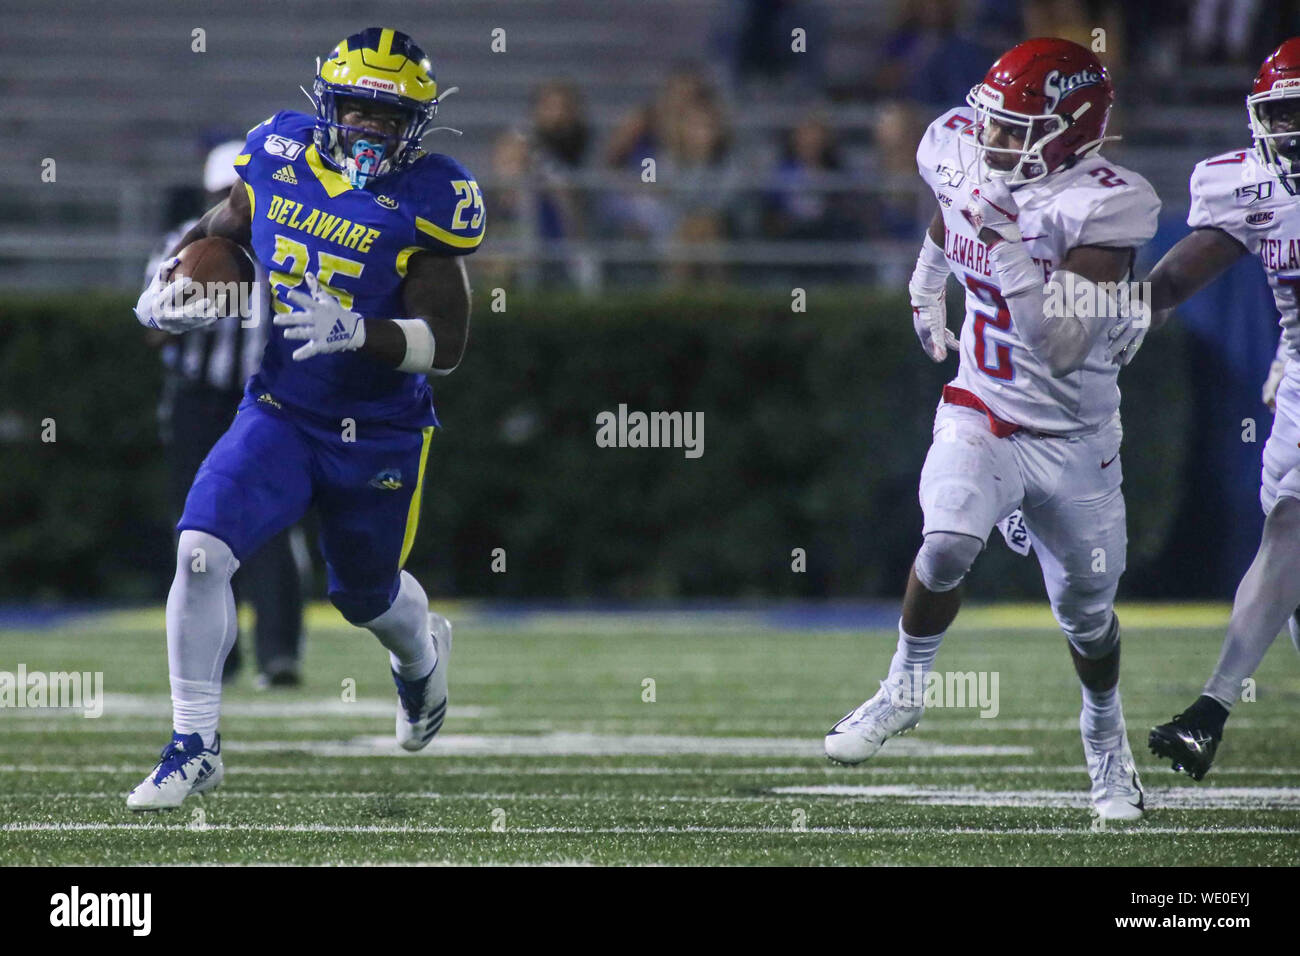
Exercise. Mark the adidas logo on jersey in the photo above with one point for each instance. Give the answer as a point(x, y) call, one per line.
point(285, 175)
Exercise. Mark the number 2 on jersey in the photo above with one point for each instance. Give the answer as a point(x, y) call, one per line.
point(1001, 367)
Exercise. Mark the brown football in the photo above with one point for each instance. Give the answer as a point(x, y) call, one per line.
point(218, 261)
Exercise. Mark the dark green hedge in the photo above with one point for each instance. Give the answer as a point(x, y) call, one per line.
point(816, 426)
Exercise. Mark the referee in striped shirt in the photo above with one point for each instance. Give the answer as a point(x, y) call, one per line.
point(204, 375)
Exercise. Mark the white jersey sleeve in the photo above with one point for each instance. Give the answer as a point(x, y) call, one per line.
point(1106, 206)
point(1214, 185)
point(937, 153)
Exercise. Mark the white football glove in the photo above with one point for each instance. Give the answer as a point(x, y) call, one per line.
point(1126, 337)
point(323, 323)
point(930, 319)
point(990, 205)
point(164, 304)
point(1276, 372)
point(926, 288)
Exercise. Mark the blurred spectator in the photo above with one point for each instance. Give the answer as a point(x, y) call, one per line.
point(1074, 20)
point(895, 205)
point(507, 196)
point(532, 197)
point(701, 181)
point(927, 57)
point(683, 130)
point(652, 128)
point(801, 203)
point(757, 39)
point(560, 124)
point(1222, 29)
point(558, 147)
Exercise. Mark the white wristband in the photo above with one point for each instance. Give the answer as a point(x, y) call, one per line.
point(419, 346)
point(931, 273)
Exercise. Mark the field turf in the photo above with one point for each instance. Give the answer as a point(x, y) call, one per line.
point(553, 752)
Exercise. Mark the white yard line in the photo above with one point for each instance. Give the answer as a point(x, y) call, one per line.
point(1084, 831)
point(1168, 798)
point(155, 705)
point(610, 745)
point(515, 770)
point(224, 794)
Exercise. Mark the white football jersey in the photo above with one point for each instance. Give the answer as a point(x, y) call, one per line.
point(1095, 203)
point(1237, 194)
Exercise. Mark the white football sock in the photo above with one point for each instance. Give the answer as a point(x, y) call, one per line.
point(404, 630)
point(912, 661)
point(1266, 597)
point(201, 628)
point(1102, 717)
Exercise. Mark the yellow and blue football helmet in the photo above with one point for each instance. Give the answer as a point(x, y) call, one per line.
point(384, 66)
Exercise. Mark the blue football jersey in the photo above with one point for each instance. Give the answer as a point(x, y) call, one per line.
point(306, 217)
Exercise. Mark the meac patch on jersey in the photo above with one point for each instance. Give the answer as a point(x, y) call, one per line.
point(1093, 203)
point(307, 217)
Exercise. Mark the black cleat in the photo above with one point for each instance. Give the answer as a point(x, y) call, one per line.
point(1191, 738)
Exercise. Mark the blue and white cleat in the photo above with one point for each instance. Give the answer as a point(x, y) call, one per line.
point(186, 767)
point(422, 704)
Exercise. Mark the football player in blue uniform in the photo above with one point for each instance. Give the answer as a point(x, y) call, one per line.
point(363, 235)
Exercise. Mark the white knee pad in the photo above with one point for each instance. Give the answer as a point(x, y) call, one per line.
point(202, 557)
point(945, 558)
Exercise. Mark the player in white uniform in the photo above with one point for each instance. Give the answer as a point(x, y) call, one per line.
point(1248, 203)
point(1031, 220)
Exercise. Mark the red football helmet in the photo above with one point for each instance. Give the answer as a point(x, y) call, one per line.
point(1052, 95)
point(1274, 109)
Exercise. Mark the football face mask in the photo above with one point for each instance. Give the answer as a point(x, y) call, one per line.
point(366, 135)
point(1009, 145)
point(374, 96)
point(1275, 126)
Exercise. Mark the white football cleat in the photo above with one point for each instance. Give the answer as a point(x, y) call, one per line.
point(1293, 625)
point(422, 704)
point(186, 767)
point(862, 732)
point(1116, 790)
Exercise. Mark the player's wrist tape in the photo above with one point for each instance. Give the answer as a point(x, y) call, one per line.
point(419, 346)
point(931, 273)
point(1016, 270)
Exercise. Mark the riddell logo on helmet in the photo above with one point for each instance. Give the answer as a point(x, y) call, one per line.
point(374, 83)
point(1290, 84)
point(1057, 87)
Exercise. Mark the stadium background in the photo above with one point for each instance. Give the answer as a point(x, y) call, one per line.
point(775, 171)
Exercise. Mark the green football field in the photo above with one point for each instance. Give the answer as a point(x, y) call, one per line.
point(555, 753)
